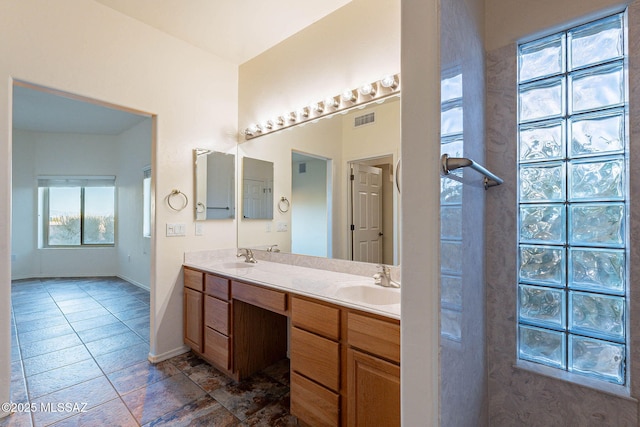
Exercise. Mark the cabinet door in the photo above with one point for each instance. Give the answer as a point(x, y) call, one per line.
point(373, 391)
point(193, 320)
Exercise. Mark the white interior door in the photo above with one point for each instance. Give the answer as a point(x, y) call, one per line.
point(254, 205)
point(366, 213)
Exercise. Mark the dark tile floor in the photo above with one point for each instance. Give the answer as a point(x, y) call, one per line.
point(79, 358)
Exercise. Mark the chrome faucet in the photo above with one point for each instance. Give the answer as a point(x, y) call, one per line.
point(247, 254)
point(273, 248)
point(383, 277)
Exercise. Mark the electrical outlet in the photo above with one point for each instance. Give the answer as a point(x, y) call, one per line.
point(199, 231)
point(282, 227)
point(268, 227)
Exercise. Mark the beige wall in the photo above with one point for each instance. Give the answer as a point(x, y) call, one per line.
point(88, 49)
point(507, 21)
point(359, 43)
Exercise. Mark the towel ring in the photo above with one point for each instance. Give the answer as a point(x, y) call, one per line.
point(283, 205)
point(175, 192)
point(398, 176)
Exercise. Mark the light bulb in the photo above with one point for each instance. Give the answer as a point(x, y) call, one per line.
point(367, 90)
point(330, 102)
point(251, 130)
point(303, 113)
point(348, 95)
point(389, 81)
point(316, 107)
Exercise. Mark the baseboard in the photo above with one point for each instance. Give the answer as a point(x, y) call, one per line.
point(157, 358)
point(133, 282)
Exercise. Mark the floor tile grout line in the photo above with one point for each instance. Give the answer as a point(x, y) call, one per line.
point(274, 377)
point(93, 357)
point(24, 372)
point(106, 376)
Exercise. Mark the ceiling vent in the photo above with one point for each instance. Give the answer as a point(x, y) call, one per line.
point(365, 119)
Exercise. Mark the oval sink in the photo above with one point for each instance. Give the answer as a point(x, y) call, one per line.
point(370, 294)
point(237, 265)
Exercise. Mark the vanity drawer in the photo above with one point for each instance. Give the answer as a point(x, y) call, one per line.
point(217, 286)
point(316, 358)
point(317, 318)
point(260, 297)
point(216, 348)
point(314, 404)
point(374, 336)
point(193, 279)
point(216, 314)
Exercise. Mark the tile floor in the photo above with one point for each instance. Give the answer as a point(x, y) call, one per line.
point(79, 349)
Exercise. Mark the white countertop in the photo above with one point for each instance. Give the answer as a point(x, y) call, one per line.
point(348, 290)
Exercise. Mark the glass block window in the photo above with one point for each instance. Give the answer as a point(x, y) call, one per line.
point(451, 242)
point(572, 181)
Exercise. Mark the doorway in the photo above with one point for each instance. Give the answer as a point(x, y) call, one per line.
point(311, 193)
point(371, 210)
point(63, 141)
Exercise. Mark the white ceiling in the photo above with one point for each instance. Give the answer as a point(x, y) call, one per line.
point(40, 111)
point(236, 30)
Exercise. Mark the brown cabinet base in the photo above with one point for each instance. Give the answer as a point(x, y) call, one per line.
point(314, 404)
point(216, 348)
point(373, 396)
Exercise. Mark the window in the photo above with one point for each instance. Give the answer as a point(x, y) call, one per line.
point(451, 242)
point(572, 163)
point(77, 211)
point(146, 202)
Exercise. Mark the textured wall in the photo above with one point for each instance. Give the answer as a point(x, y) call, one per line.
point(518, 396)
point(463, 363)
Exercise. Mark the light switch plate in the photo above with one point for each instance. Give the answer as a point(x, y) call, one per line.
point(175, 230)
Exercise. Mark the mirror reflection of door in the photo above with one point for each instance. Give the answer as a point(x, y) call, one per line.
point(366, 213)
point(257, 189)
point(311, 205)
point(255, 202)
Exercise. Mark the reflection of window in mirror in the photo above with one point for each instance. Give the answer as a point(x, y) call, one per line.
point(146, 202)
point(214, 184)
point(257, 189)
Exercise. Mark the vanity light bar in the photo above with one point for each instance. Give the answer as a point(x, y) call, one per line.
point(349, 98)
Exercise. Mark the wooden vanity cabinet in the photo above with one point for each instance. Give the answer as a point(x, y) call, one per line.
point(259, 327)
point(315, 362)
point(345, 363)
point(217, 315)
point(193, 309)
point(207, 317)
point(373, 371)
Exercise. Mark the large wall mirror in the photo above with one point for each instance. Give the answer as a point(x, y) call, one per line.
point(214, 185)
point(327, 213)
point(257, 189)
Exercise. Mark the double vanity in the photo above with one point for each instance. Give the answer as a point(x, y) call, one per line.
point(340, 331)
